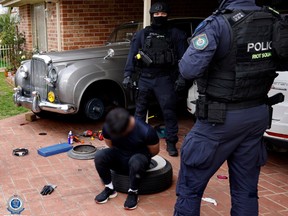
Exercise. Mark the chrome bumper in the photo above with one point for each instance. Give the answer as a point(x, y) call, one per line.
point(36, 105)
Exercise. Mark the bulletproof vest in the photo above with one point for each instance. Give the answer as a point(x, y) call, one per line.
point(247, 72)
point(159, 48)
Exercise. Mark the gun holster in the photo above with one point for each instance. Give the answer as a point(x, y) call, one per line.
point(214, 112)
point(201, 107)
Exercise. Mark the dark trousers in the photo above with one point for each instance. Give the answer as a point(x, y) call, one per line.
point(163, 89)
point(133, 165)
point(207, 146)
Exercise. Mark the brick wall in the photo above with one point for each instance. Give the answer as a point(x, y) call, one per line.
point(89, 24)
point(26, 25)
point(51, 23)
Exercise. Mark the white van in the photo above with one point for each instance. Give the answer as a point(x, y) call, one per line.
point(278, 133)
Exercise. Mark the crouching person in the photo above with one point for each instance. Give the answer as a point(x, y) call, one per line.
point(131, 144)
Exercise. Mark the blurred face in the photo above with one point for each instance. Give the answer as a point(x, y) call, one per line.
point(160, 14)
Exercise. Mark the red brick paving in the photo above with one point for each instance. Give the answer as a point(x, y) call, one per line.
point(78, 182)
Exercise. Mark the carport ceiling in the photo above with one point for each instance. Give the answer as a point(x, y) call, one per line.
point(17, 3)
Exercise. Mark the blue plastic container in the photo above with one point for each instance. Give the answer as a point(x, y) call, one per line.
point(54, 149)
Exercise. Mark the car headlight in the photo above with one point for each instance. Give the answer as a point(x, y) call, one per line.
point(24, 71)
point(52, 77)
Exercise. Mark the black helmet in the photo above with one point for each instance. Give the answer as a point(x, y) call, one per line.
point(159, 7)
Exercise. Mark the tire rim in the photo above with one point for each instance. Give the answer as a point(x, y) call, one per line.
point(84, 149)
point(83, 152)
point(94, 109)
point(159, 163)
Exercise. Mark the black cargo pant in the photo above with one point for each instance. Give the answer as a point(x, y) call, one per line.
point(207, 146)
point(163, 89)
point(114, 159)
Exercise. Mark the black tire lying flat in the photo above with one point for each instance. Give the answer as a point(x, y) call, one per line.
point(157, 179)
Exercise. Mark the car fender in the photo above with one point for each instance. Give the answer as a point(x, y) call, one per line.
point(77, 77)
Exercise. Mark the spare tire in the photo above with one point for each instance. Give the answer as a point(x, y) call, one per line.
point(158, 178)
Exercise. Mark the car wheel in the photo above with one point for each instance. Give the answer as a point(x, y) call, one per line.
point(94, 109)
point(158, 178)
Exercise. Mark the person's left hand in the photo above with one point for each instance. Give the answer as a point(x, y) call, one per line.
point(180, 83)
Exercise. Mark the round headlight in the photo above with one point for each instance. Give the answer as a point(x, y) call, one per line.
point(53, 75)
point(23, 71)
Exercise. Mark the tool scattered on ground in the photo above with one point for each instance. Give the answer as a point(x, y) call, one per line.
point(93, 135)
point(222, 177)
point(210, 200)
point(48, 189)
point(20, 152)
point(77, 139)
point(98, 135)
point(54, 149)
point(87, 133)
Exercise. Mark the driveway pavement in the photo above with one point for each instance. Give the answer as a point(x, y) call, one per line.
point(78, 182)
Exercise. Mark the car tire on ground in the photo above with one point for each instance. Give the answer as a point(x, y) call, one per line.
point(158, 178)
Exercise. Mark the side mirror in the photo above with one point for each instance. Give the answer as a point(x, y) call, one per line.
point(110, 54)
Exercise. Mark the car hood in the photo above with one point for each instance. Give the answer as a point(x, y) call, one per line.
point(88, 53)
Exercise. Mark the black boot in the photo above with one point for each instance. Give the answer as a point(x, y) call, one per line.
point(171, 149)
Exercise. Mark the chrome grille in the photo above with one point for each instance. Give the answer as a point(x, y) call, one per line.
point(39, 72)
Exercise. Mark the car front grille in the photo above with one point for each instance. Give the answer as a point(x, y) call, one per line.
point(39, 72)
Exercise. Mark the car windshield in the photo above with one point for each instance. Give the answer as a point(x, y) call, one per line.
point(124, 33)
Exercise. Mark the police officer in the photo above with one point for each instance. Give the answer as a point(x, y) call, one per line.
point(156, 51)
point(231, 58)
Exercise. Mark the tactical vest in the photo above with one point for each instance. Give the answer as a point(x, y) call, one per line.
point(247, 72)
point(159, 48)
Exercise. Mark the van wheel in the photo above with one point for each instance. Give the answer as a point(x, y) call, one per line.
point(94, 109)
point(158, 178)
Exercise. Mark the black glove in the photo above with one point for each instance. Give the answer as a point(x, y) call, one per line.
point(47, 189)
point(127, 82)
point(180, 84)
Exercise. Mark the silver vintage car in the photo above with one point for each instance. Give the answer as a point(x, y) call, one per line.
point(84, 81)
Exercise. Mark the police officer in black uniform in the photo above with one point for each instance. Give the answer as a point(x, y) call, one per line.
point(231, 58)
point(156, 51)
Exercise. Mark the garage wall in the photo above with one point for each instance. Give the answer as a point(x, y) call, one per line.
point(89, 23)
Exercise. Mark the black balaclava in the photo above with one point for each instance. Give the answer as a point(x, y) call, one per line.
point(159, 22)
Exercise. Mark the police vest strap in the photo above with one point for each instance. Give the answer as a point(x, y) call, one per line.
point(235, 17)
point(245, 104)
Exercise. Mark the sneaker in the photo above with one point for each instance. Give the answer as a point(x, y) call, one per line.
point(172, 150)
point(106, 194)
point(131, 201)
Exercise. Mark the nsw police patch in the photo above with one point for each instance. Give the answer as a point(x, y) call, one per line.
point(200, 42)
